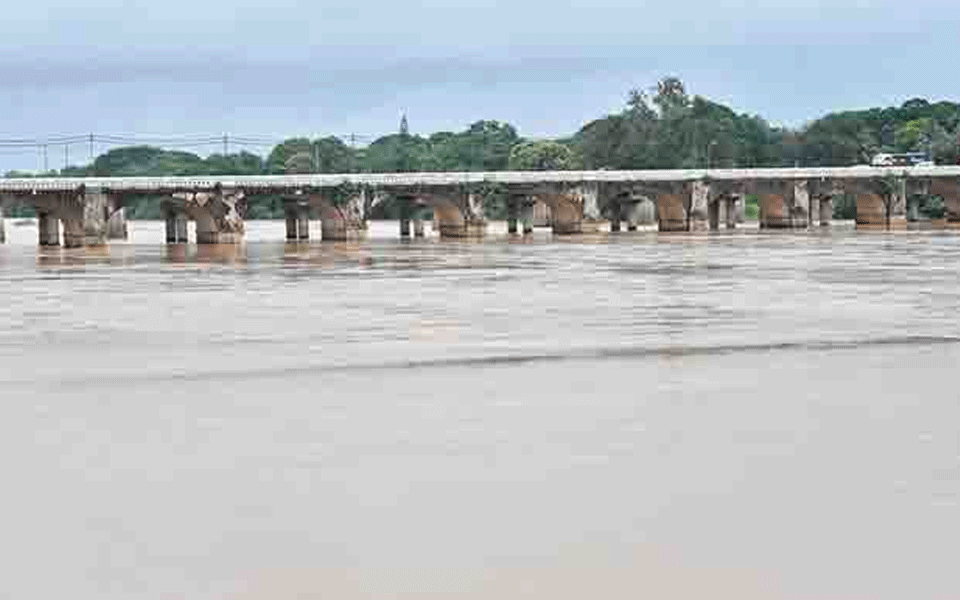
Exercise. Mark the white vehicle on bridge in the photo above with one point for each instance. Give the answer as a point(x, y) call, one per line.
point(904, 159)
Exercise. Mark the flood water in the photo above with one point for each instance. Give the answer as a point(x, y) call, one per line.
point(733, 415)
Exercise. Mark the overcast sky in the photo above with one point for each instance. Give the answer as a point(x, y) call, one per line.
point(286, 67)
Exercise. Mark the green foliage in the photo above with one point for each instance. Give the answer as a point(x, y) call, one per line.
point(751, 208)
point(678, 131)
point(541, 155)
point(669, 128)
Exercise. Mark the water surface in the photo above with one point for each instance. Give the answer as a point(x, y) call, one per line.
point(740, 414)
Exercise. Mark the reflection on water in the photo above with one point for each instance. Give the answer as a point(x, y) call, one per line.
point(739, 414)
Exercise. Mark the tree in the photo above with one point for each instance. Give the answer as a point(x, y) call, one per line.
point(541, 155)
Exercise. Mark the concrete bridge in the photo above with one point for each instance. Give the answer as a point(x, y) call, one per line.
point(89, 211)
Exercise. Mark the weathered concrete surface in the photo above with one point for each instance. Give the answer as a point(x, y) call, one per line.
point(732, 210)
point(642, 211)
point(800, 210)
point(541, 215)
point(826, 210)
point(775, 201)
point(3, 232)
point(593, 197)
point(671, 215)
point(48, 226)
point(698, 215)
point(881, 204)
point(117, 225)
point(296, 211)
point(949, 191)
point(96, 210)
point(413, 181)
point(871, 212)
point(526, 218)
point(175, 216)
point(218, 215)
point(345, 221)
point(567, 211)
point(458, 213)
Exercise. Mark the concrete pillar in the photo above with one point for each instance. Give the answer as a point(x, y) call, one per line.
point(3, 233)
point(405, 210)
point(642, 212)
point(541, 215)
point(775, 211)
point(897, 214)
point(513, 210)
point(218, 215)
point(949, 190)
point(913, 208)
point(207, 230)
point(800, 211)
point(49, 229)
point(826, 210)
point(418, 230)
point(293, 232)
point(117, 225)
point(95, 212)
point(74, 232)
point(615, 215)
point(713, 212)
point(730, 212)
point(671, 215)
point(871, 212)
point(176, 227)
point(298, 223)
point(526, 217)
point(699, 213)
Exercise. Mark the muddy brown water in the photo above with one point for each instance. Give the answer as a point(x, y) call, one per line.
point(735, 415)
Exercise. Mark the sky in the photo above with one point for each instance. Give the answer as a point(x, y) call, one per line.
point(289, 67)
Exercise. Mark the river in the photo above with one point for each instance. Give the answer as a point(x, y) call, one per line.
point(734, 415)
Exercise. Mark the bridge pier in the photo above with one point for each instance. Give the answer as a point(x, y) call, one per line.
point(775, 202)
point(730, 211)
point(176, 224)
point(88, 226)
point(513, 211)
point(48, 226)
point(526, 217)
point(639, 212)
point(117, 225)
point(615, 211)
point(297, 216)
point(418, 228)
point(698, 217)
point(405, 210)
point(3, 232)
point(217, 214)
point(949, 190)
point(826, 210)
point(343, 221)
point(897, 210)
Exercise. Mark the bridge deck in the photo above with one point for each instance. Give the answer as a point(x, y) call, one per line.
point(277, 183)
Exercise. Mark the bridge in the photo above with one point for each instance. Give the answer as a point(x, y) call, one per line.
point(90, 210)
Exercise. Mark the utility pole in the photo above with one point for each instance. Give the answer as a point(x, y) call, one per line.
point(66, 155)
point(91, 148)
point(226, 145)
point(45, 169)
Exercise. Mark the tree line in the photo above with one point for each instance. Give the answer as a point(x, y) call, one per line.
point(662, 128)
